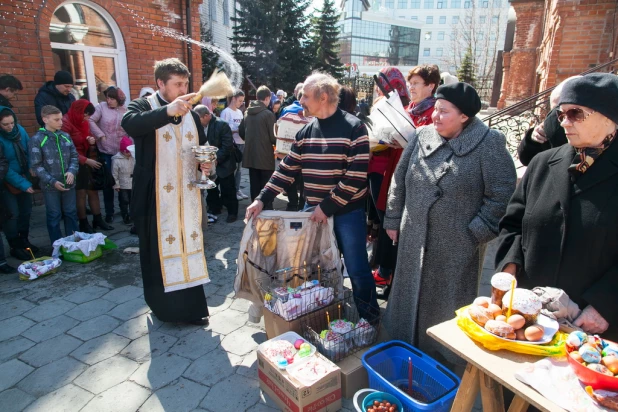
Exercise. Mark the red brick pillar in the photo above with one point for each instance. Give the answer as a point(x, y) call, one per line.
point(520, 64)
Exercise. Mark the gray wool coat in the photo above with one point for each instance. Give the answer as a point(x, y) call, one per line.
point(446, 198)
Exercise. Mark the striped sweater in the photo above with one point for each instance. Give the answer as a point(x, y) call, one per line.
point(333, 155)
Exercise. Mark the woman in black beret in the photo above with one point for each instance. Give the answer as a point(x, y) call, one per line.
point(447, 195)
point(561, 226)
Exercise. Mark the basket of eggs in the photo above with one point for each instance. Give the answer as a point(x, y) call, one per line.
point(593, 360)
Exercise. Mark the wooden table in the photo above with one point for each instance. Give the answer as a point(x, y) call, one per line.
point(489, 371)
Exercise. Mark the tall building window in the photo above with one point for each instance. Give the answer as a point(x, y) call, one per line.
point(440, 35)
point(212, 7)
point(442, 19)
point(440, 4)
point(226, 13)
point(414, 18)
point(482, 19)
point(497, 3)
point(467, 4)
point(480, 35)
point(492, 36)
point(455, 19)
point(426, 52)
point(427, 35)
point(416, 4)
point(495, 19)
point(389, 4)
point(439, 51)
point(429, 20)
point(468, 19)
point(429, 4)
point(455, 4)
point(403, 4)
point(485, 4)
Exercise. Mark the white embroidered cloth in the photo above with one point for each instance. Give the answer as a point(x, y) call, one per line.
point(36, 269)
point(555, 380)
point(85, 242)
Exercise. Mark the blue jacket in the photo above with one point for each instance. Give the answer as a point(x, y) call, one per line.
point(49, 95)
point(293, 108)
point(15, 174)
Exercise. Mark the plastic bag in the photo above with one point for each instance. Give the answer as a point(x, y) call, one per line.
point(489, 341)
point(389, 123)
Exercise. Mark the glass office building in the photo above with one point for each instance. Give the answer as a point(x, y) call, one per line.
point(369, 42)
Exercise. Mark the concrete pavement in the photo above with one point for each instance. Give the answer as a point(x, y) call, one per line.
point(83, 339)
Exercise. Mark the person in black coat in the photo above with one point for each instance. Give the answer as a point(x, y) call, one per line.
point(219, 134)
point(546, 135)
point(56, 93)
point(561, 225)
point(141, 122)
point(9, 87)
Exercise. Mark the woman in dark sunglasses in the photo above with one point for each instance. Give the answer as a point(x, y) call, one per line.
point(561, 225)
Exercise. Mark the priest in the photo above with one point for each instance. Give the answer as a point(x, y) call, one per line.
point(165, 206)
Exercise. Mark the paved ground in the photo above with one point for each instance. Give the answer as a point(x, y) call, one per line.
point(84, 339)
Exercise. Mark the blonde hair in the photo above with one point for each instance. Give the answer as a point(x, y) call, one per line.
point(319, 83)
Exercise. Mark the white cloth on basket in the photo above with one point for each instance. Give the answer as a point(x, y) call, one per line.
point(87, 243)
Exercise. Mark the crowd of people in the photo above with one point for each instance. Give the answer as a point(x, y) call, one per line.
point(440, 199)
point(79, 150)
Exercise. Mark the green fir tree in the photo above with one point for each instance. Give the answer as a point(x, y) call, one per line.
point(325, 40)
point(209, 58)
point(466, 72)
point(294, 51)
point(270, 41)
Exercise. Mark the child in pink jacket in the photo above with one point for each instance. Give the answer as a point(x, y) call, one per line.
point(122, 170)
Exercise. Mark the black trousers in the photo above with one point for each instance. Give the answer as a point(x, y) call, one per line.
point(296, 201)
point(124, 199)
point(224, 194)
point(257, 180)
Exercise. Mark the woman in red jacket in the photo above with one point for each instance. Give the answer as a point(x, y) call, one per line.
point(75, 123)
point(422, 82)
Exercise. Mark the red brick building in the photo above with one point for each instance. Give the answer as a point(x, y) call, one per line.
point(99, 42)
point(556, 39)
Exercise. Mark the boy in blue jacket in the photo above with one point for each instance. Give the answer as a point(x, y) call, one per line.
point(54, 160)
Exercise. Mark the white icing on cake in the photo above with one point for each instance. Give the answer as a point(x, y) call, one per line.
point(524, 301)
point(502, 281)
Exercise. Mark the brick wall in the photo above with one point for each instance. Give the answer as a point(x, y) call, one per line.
point(26, 50)
point(556, 39)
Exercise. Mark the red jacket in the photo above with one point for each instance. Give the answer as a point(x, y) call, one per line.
point(77, 128)
point(80, 141)
point(423, 119)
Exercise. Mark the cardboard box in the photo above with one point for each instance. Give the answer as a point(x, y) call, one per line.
point(275, 325)
point(292, 396)
point(353, 376)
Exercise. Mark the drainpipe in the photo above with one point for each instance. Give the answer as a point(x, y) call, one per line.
point(189, 49)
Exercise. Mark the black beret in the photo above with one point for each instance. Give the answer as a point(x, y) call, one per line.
point(596, 91)
point(461, 95)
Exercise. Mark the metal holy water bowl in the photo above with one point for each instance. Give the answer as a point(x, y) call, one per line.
point(204, 154)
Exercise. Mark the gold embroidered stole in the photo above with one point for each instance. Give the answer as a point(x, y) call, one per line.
point(179, 205)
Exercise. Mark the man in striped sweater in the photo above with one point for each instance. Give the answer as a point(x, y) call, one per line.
point(331, 154)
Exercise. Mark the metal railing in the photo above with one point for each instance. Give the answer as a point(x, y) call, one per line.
point(517, 118)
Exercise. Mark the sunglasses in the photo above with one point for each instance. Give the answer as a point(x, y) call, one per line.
point(574, 115)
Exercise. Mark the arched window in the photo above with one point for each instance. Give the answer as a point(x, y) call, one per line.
point(86, 42)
